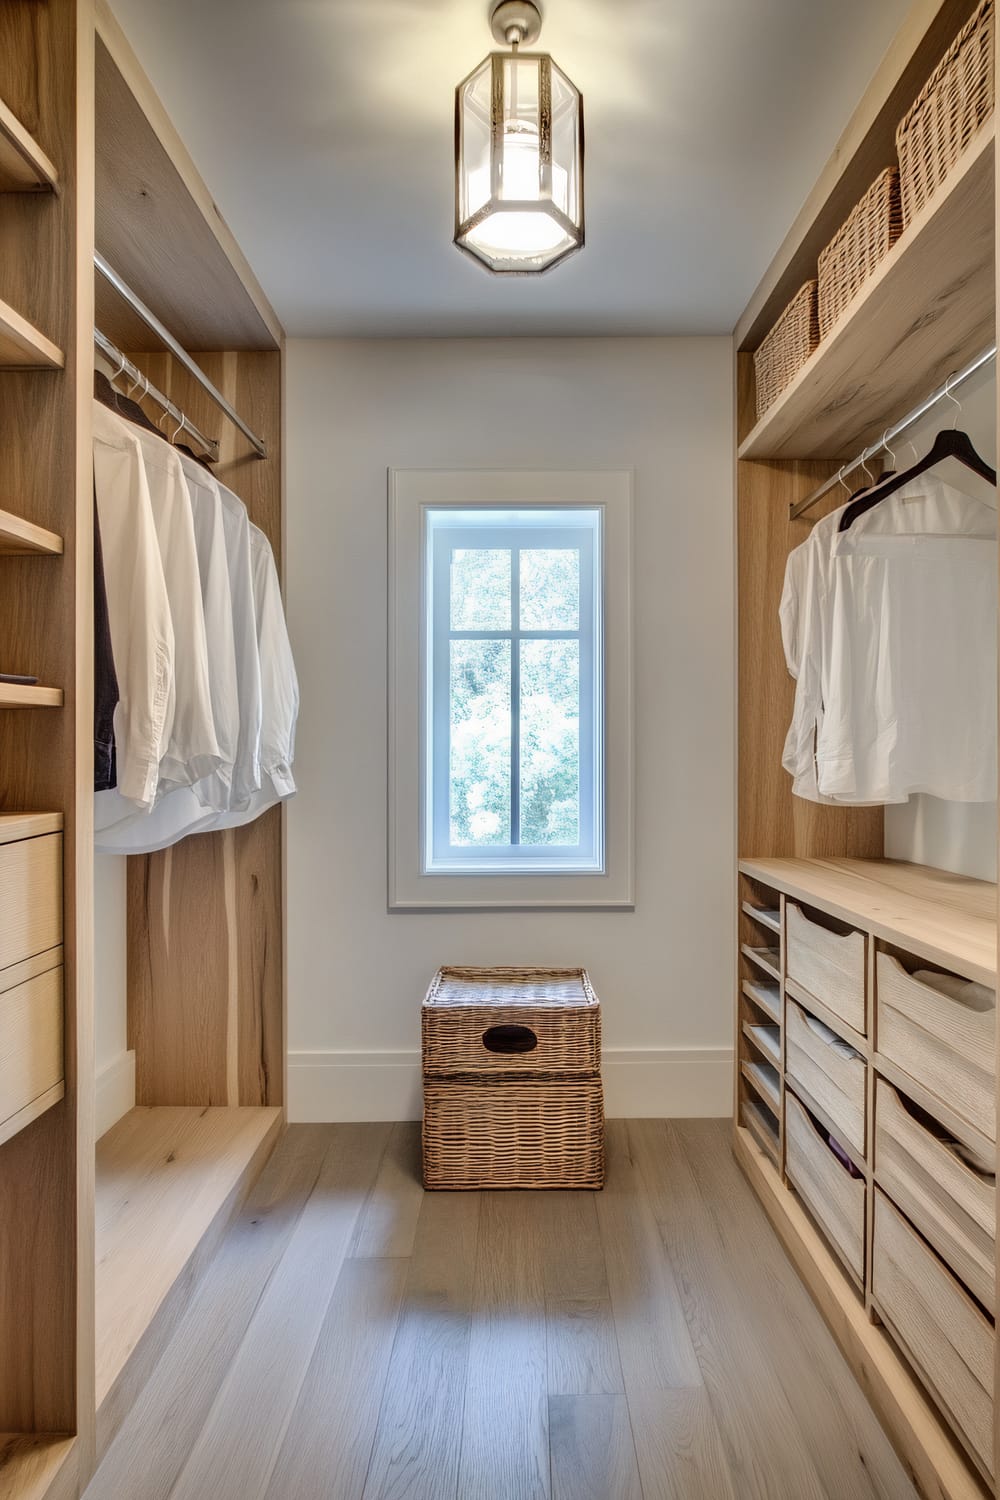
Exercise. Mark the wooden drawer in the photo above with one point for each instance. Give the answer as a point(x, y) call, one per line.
point(948, 1201)
point(942, 1331)
point(836, 1083)
point(31, 1037)
point(30, 898)
point(829, 962)
point(947, 1046)
point(835, 1199)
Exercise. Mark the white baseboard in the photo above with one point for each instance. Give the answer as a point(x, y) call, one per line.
point(664, 1082)
point(115, 1091)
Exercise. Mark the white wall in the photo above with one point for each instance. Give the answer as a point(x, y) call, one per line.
point(950, 835)
point(665, 971)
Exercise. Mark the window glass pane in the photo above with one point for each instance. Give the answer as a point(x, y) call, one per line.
point(550, 588)
point(479, 722)
point(480, 589)
point(550, 742)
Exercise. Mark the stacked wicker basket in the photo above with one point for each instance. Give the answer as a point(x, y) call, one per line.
point(954, 103)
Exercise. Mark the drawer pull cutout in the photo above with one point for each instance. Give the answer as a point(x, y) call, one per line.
point(510, 1039)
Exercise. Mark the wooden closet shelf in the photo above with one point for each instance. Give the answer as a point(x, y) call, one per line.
point(949, 919)
point(30, 1462)
point(19, 537)
point(927, 309)
point(12, 695)
point(23, 347)
point(24, 166)
point(167, 1177)
point(28, 825)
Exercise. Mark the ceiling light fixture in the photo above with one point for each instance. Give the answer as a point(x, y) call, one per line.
point(518, 153)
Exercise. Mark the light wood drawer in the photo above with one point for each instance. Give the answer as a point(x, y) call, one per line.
point(948, 1047)
point(949, 1202)
point(835, 1199)
point(942, 1331)
point(31, 1040)
point(30, 898)
point(836, 1083)
point(830, 964)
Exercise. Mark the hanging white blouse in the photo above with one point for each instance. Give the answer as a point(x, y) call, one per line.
point(142, 634)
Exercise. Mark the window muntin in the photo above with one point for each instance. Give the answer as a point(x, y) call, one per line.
point(513, 747)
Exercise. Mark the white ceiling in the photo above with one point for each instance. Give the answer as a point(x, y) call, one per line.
point(324, 130)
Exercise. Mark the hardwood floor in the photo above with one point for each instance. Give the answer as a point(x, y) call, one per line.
point(356, 1339)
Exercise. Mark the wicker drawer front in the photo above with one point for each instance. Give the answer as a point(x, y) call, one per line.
point(948, 1047)
point(513, 1133)
point(951, 1204)
point(829, 964)
point(511, 1022)
point(30, 898)
point(835, 1199)
point(941, 1329)
point(835, 1082)
point(31, 1041)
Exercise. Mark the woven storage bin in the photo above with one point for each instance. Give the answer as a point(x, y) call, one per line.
point(787, 347)
point(954, 102)
point(858, 247)
point(512, 1081)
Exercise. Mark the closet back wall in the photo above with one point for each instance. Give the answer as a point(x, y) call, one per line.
point(357, 974)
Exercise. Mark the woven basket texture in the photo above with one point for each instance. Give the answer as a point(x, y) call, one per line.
point(786, 348)
point(558, 1005)
point(859, 247)
point(951, 107)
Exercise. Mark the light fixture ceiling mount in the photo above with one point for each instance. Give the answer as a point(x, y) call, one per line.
point(518, 153)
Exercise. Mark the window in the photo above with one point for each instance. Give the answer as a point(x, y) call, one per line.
point(510, 689)
point(514, 684)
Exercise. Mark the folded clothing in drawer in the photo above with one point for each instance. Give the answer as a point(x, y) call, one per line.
point(935, 1182)
point(834, 1197)
point(942, 1331)
point(829, 1070)
point(941, 1030)
point(829, 962)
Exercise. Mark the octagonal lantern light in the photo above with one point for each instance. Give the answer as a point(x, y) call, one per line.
point(518, 153)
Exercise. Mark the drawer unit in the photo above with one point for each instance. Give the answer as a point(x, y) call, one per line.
point(942, 1331)
point(30, 898)
point(31, 1036)
point(836, 1082)
point(946, 1045)
point(835, 1199)
point(829, 963)
point(950, 1202)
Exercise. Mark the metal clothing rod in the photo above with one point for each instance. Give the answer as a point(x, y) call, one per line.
point(801, 506)
point(152, 322)
point(126, 367)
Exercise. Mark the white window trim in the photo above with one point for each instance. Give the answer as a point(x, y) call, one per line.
point(411, 492)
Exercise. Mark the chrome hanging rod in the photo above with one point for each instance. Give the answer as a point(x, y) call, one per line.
point(801, 506)
point(177, 350)
point(126, 367)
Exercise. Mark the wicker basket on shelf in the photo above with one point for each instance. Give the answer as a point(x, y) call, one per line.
point(512, 1080)
point(786, 348)
point(858, 247)
point(952, 105)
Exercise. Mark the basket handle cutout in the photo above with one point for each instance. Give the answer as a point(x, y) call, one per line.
point(510, 1039)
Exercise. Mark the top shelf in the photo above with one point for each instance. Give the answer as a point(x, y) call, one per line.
point(927, 310)
point(24, 166)
point(947, 919)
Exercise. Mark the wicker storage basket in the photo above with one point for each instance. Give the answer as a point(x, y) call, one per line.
point(512, 1080)
point(787, 347)
point(954, 102)
point(858, 247)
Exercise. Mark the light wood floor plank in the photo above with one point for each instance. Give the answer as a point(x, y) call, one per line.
point(237, 1448)
point(582, 1347)
point(653, 1339)
point(159, 1432)
point(569, 1237)
point(680, 1452)
point(593, 1456)
point(389, 1222)
point(505, 1440)
point(418, 1436)
point(328, 1443)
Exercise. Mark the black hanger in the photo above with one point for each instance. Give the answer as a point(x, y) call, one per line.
point(949, 443)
